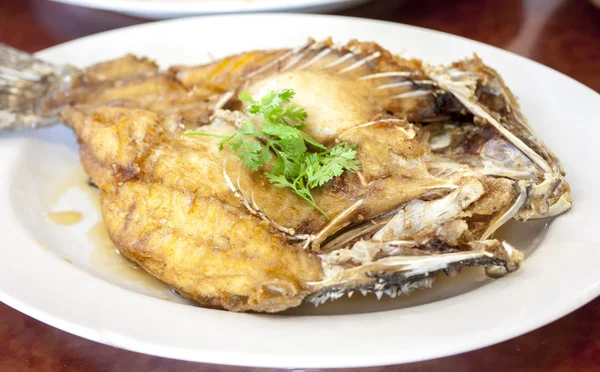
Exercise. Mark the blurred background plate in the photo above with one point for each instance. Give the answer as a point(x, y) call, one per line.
point(163, 9)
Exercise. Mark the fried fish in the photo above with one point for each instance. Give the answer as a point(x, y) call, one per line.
point(446, 158)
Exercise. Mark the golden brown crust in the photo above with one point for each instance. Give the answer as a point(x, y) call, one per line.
point(224, 74)
point(135, 83)
point(119, 69)
point(205, 246)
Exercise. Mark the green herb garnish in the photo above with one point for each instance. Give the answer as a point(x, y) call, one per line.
point(301, 163)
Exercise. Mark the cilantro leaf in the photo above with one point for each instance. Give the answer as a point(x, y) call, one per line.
point(280, 130)
point(249, 152)
point(292, 146)
point(308, 139)
point(294, 114)
point(286, 95)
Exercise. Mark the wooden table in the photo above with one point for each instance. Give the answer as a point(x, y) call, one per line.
point(562, 34)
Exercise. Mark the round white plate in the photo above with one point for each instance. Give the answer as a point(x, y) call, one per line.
point(162, 9)
point(93, 297)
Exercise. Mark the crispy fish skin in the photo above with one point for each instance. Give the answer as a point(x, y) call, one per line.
point(220, 76)
point(137, 83)
point(208, 248)
point(209, 252)
point(121, 68)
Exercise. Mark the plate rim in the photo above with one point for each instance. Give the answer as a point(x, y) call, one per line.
point(57, 322)
point(208, 6)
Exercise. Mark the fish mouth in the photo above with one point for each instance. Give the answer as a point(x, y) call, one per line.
point(405, 250)
point(410, 267)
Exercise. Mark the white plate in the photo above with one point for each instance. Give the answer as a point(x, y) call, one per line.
point(162, 9)
point(87, 299)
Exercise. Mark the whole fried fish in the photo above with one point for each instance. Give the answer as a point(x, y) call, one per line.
point(446, 159)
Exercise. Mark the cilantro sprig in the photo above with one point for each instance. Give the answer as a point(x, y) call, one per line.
point(298, 161)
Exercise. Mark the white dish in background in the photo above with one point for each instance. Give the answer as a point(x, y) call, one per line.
point(163, 9)
point(94, 297)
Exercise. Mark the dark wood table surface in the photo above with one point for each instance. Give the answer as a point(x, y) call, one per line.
point(562, 34)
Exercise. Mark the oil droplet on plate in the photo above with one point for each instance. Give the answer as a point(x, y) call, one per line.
point(78, 180)
point(105, 259)
point(65, 218)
